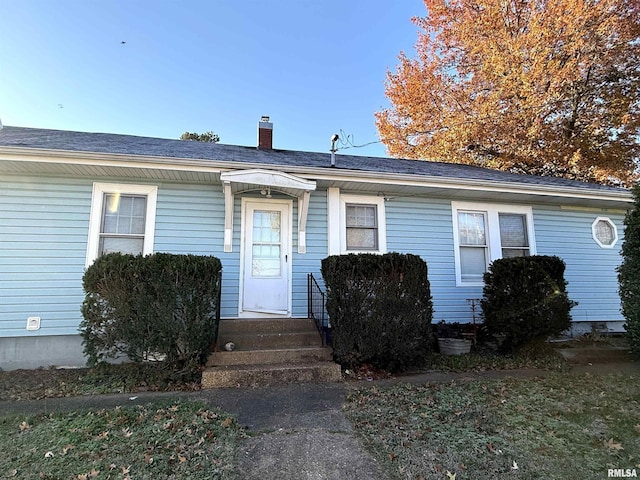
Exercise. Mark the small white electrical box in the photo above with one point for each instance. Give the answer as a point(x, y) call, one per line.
point(33, 323)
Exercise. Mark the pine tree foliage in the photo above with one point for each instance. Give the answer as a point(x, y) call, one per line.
point(629, 274)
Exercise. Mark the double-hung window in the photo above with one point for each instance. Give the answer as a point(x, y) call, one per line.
point(356, 223)
point(122, 226)
point(473, 245)
point(122, 219)
point(361, 227)
point(484, 233)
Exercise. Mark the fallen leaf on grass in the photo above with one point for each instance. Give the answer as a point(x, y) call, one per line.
point(126, 470)
point(227, 422)
point(182, 458)
point(613, 445)
point(637, 427)
point(24, 426)
point(451, 476)
point(94, 473)
point(493, 449)
point(514, 466)
point(13, 473)
point(148, 459)
point(49, 454)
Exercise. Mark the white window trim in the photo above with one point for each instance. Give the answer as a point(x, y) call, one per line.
point(615, 232)
point(493, 231)
point(95, 217)
point(382, 230)
point(337, 225)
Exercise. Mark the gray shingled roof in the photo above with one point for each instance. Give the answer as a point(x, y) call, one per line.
point(161, 147)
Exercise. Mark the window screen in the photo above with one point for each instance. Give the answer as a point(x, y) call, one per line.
point(472, 239)
point(123, 223)
point(362, 227)
point(604, 232)
point(513, 235)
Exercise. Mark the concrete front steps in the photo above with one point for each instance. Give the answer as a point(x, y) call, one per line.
point(269, 352)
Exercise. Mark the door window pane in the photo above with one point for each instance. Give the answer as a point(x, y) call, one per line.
point(266, 245)
point(362, 227)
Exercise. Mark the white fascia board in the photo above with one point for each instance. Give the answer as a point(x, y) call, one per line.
point(107, 160)
point(315, 173)
point(475, 185)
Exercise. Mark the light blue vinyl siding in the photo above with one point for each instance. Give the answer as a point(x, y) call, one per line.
point(423, 226)
point(190, 220)
point(43, 243)
point(591, 269)
point(317, 249)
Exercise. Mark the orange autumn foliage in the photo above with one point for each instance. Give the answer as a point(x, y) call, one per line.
point(529, 86)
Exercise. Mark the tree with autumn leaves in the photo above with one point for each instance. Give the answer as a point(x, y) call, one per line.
point(543, 87)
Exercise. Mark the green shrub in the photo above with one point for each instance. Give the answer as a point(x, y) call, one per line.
point(160, 305)
point(525, 300)
point(629, 274)
point(380, 309)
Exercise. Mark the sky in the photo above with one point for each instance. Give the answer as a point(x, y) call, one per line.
point(160, 68)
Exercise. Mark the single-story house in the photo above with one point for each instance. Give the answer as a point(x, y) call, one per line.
point(271, 216)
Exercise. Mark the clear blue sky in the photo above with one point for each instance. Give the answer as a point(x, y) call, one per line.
point(313, 66)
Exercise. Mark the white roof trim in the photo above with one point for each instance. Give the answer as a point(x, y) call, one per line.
point(245, 180)
point(359, 176)
point(268, 178)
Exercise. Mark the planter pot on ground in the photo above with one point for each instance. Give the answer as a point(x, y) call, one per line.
point(454, 346)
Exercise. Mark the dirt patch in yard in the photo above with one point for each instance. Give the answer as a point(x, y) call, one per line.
point(594, 348)
point(67, 382)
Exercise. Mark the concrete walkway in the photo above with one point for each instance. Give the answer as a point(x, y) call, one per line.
point(298, 431)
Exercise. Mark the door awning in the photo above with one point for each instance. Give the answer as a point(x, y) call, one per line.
point(240, 181)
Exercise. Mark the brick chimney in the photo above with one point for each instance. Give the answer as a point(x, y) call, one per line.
point(265, 133)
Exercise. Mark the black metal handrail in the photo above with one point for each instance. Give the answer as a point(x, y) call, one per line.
point(218, 303)
point(316, 308)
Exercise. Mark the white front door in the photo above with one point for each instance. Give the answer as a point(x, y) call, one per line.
point(267, 257)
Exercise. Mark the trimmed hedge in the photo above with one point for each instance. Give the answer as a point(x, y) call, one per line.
point(161, 305)
point(380, 309)
point(629, 274)
point(525, 300)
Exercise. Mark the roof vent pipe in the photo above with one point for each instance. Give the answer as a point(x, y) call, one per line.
point(334, 139)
